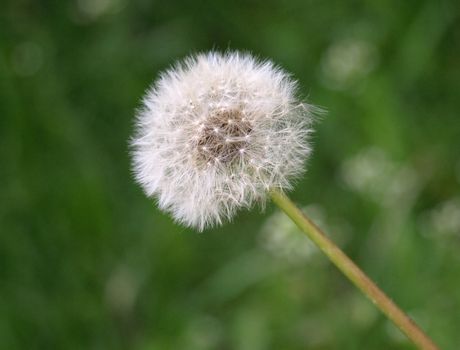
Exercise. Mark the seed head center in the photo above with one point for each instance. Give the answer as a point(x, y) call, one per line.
point(223, 138)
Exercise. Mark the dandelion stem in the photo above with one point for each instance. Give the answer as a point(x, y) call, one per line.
point(354, 273)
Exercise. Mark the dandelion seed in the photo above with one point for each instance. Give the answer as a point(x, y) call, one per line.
point(200, 164)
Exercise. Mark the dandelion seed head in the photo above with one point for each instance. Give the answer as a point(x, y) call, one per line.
point(217, 131)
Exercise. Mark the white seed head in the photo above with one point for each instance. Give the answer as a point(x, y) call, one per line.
point(215, 132)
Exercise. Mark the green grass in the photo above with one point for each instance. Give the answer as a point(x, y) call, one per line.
point(87, 262)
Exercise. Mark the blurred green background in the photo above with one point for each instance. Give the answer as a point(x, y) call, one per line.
point(88, 262)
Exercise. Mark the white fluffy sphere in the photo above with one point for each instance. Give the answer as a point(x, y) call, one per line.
point(215, 133)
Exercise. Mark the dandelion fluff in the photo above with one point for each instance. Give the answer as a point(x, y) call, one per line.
point(215, 133)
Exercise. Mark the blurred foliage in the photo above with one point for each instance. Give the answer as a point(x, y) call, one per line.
point(87, 262)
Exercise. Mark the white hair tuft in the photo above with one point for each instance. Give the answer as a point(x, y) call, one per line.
point(215, 133)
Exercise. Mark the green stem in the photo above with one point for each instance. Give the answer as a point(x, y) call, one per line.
point(354, 273)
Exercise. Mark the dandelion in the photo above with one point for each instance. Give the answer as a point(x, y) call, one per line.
point(221, 132)
point(215, 133)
